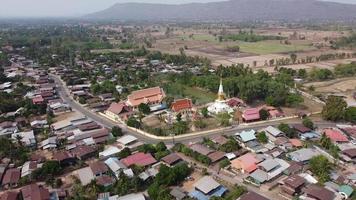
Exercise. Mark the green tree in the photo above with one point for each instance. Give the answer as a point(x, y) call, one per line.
point(180, 128)
point(133, 122)
point(321, 167)
point(144, 108)
point(334, 109)
point(117, 131)
point(262, 137)
point(264, 114)
point(285, 128)
point(124, 153)
point(49, 169)
point(307, 122)
point(224, 119)
point(224, 163)
point(293, 57)
point(350, 114)
point(205, 112)
point(82, 100)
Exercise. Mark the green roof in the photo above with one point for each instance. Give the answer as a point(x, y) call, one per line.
point(346, 189)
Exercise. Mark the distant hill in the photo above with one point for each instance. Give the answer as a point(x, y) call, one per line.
point(233, 10)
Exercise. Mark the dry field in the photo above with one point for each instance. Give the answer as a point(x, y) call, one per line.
point(345, 87)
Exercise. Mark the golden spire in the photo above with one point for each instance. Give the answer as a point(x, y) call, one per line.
point(221, 94)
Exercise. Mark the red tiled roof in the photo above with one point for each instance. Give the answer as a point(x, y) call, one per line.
point(140, 159)
point(98, 167)
point(118, 108)
point(320, 193)
point(252, 196)
point(201, 149)
point(251, 114)
point(11, 176)
point(216, 156)
point(82, 150)
point(155, 94)
point(38, 99)
point(294, 181)
point(296, 142)
point(105, 180)
point(233, 102)
point(171, 158)
point(182, 104)
point(9, 196)
point(350, 152)
point(34, 192)
point(335, 136)
point(62, 155)
point(301, 128)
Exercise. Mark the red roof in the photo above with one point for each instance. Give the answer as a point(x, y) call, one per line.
point(153, 95)
point(12, 176)
point(118, 108)
point(182, 104)
point(98, 167)
point(140, 159)
point(9, 196)
point(251, 114)
point(335, 135)
point(34, 192)
point(37, 99)
point(233, 102)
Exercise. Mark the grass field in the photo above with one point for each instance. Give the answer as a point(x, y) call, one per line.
point(200, 37)
point(268, 47)
point(199, 95)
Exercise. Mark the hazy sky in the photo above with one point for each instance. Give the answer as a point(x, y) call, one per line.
point(69, 8)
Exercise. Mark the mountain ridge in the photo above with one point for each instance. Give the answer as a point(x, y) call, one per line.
point(232, 10)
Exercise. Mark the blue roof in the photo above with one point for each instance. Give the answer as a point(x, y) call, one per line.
point(310, 135)
point(198, 195)
point(247, 135)
point(220, 191)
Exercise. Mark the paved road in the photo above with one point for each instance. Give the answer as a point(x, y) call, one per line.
point(64, 93)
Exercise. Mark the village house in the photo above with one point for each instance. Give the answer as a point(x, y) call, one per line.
point(8, 128)
point(349, 155)
point(151, 96)
point(207, 187)
point(115, 165)
point(292, 186)
point(106, 97)
point(246, 163)
point(83, 152)
point(335, 135)
point(273, 133)
point(129, 141)
point(34, 191)
point(140, 159)
point(252, 196)
point(11, 178)
point(99, 168)
point(251, 115)
point(172, 159)
point(28, 167)
point(27, 138)
point(268, 170)
point(49, 143)
point(117, 111)
point(303, 155)
point(319, 193)
point(64, 158)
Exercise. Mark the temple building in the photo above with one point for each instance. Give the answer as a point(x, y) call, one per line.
point(220, 105)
